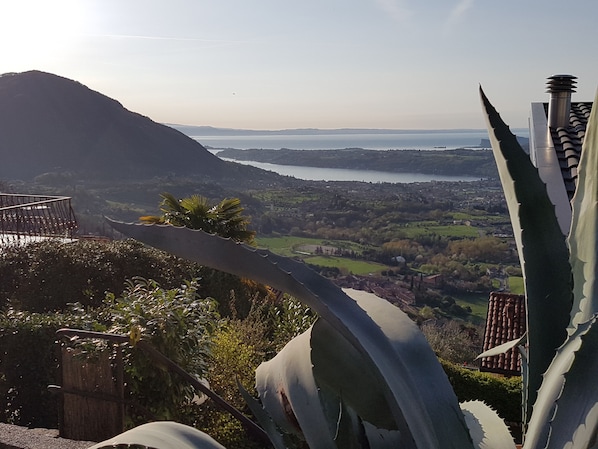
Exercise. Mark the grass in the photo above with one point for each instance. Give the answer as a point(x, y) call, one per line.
point(478, 304)
point(359, 267)
point(285, 246)
point(290, 246)
point(418, 229)
point(516, 285)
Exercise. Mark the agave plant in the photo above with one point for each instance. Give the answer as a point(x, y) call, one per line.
point(560, 352)
point(364, 376)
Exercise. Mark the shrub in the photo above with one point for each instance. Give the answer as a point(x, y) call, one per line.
point(46, 276)
point(502, 394)
point(177, 323)
point(29, 360)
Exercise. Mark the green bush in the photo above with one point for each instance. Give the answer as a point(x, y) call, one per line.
point(29, 360)
point(176, 322)
point(49, 275)
point(502, 394)
point(46, 276)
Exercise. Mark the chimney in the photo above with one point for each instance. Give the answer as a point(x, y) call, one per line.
point(560, 88)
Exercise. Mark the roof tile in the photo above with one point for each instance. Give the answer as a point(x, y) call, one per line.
point(505, 322)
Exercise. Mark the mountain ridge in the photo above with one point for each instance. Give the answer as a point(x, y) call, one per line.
point(49, 123)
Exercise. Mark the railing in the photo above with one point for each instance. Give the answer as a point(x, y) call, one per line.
point(27, 217)
point(70, 387)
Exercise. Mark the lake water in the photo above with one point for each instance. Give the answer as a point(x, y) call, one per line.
point(375, 141)
point(397, 140)
point(341, 174)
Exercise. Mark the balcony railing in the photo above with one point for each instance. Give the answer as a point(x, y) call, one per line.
point(26, 218)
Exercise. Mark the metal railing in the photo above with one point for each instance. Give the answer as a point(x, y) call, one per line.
point(27, 217)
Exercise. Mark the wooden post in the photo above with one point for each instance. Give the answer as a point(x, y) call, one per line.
point(92, 404)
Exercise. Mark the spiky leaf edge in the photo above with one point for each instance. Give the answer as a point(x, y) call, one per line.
point(543, 253)
point(403, 390)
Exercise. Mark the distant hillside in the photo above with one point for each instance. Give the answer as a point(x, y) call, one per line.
point(53, 124)
point(459, 162)
point(194, 130)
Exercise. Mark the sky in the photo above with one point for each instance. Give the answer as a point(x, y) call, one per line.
point(279, 64)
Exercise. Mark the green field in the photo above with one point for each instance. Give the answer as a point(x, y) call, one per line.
point(299, 247)
point(516, 285)
point(359, 267)
point(418, 229)
point(478, 305)
point(291, 246)
point(285, 246)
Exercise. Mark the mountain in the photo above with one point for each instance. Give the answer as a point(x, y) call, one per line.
point(52, 124)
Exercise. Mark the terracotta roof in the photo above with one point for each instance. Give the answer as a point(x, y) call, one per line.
point(568, 142)
point(505, 322)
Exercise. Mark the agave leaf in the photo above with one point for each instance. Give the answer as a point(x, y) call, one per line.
point(343, 381)
point(487, 429)
point(543, 253)
point(382, 438)
point(161, 435)
point(339, 367)
point(583, 238)
point(566, 414)
point(569, 406)
point(288, 391)
point(263, 417)
point(505, 347)
point(405, 399)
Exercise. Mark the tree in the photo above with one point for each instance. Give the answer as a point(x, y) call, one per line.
point(225, 219)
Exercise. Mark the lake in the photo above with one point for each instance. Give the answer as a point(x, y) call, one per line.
point(341, 174)
point(375, 141)
point(393, 139)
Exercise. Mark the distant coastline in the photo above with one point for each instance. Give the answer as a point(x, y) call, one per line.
point(464, 152)
point(460, 162)
point(213, 131)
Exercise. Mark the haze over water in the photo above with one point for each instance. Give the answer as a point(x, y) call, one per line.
point(376, 141)
point(396, 140)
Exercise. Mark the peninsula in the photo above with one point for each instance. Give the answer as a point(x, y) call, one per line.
point(465, 162)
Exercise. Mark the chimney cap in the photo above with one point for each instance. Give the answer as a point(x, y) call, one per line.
point(561, 83)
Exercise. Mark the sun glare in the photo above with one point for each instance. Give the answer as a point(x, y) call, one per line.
point(38, 29)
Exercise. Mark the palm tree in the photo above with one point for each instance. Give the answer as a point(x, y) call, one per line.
point(225, 219)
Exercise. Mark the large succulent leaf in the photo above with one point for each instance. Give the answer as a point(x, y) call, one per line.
point(543, 253)
point(583, 239)
point(566, 412)
point(288, 392)
point(161, 435)
point(487, 429)
point(265, 420)
point(343, 382)
point(505, 347)
point(412, 409)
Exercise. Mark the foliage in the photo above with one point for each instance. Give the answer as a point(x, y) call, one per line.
point(453, 341)
point(29, 363)
point(239, 345)
point(47, 276)
point(233, 360)
point(177, 323)
point(196, 212)
point(502, 394)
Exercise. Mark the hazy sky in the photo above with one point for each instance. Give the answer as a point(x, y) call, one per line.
point(274, 64)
